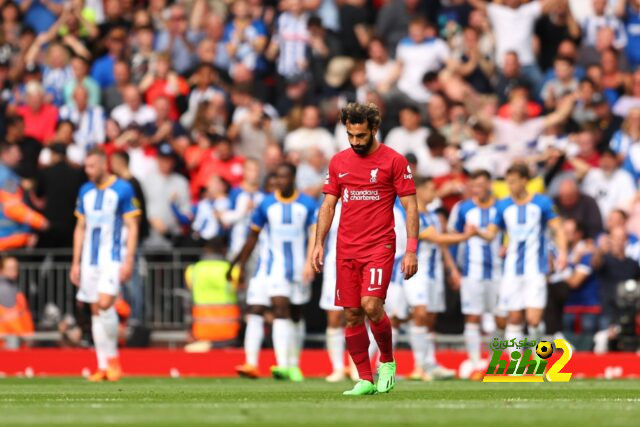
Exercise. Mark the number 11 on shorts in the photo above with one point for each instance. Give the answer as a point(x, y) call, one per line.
point(373, 276)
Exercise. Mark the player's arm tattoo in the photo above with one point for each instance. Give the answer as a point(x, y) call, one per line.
point(410, 206)
point(325, 218)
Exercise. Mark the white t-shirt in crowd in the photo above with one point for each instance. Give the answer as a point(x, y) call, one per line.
point(304, 138)
point(487, 157)
point(513, 29)
point(124, 115)
point(519, 139)
point(417, 59)
point(404, 141)
point(378, 73)
point(609, 190)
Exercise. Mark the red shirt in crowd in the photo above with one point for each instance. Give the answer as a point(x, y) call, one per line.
point(230, 170)
point(40, 125)
point(160, 88)
point(368, 187)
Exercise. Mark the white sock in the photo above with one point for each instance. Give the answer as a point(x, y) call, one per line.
point(373, 345)
point(395, 334)
point(472, 342)
point(281, 335)
point(535, 332)
point(418, 342)
point(335, 348)
point(109, 320)
point(99, 340)
point(430, 359)
point(513, 332)
point(296, 342)
point(253, 336)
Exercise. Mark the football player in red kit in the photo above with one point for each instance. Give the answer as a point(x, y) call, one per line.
point(367, 177)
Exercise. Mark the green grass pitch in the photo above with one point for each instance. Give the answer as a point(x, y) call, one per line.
point(191, 402)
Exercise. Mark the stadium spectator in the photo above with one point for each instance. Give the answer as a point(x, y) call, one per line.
point(29, 146)
point(179, 38)
point(310, 134)
point(629, 12)
point(625, 143)
point(312, 171)
point(603, 19)
point(382, 72)
point(18, 222)
point(552, 30)
point(57, 190)
point(393, 20)
point(583, 209)
point(563, 84)
point(88, 121)
point(608, 184)
point(290, 40)
point(162, 189)
point(16, 323)
point(411, 137)
point(39, 116)
point(612, 267)
point(419, 53)
point(629, 101)
point(222, 162)
point(102, 69)
point(162, 82)
point(207, 220)
point(80, 68)
point(510, 77)
point(132, 110)
point(114, 94)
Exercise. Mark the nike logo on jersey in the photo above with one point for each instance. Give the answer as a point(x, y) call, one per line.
point(370, 289)
point(340, 175)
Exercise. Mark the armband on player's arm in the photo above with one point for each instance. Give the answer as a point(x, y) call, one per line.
point(412, 244)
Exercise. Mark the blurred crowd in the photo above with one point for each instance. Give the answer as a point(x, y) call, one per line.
point(192, 98)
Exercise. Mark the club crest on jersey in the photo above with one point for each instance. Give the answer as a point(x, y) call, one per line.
point(374, 175)
point(409, 174)
point(345, 195)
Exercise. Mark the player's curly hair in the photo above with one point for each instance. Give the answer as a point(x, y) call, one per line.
point(358, 113)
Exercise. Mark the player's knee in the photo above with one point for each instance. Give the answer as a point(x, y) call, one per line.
point(372, 308)
point(419, 316)
point(353, 317)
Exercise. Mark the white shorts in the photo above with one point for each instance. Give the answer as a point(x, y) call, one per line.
point(435, 296)
point(415, 290)
point(518, 293)
point(395, 305)
point(328, 297)
point(479, 296)
point(298, 293)
point(258, 291)
point(95, 279)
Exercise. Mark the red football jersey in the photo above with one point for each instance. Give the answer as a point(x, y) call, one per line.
point(368, 187)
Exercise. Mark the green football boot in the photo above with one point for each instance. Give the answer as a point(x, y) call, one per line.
point(295, 374)
point(386, 377)
point(279, 373)
point(362, 388)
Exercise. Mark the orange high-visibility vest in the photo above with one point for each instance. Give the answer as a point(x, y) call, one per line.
point(216, 316)
point(16, 320)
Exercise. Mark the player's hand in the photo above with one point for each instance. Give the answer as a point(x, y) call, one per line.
point(409, 265)
point(74, 274)
point(561, 260)
point(307, 273)
point(317, 258)
point(126, 270)
point(470, 230)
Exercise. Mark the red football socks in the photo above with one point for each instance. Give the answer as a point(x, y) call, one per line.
point(358, 347)
point(382, 333)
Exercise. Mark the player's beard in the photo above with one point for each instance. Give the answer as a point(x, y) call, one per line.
point(362, 150)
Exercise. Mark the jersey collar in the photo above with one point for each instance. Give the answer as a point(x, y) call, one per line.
point(289, 199)
point(108, 182)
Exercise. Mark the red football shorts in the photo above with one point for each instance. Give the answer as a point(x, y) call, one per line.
point(356, 278)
